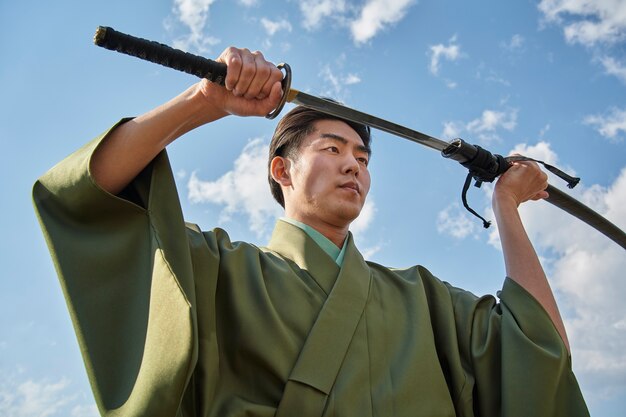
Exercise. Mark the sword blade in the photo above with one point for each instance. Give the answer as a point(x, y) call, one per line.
point(216, 72)
point(335, 109)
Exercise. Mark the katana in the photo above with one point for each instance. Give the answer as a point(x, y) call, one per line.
point(483, 166)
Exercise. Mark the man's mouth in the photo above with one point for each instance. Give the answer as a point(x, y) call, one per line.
point(351, 185)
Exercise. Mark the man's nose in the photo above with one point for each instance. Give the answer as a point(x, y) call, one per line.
point(351, 165)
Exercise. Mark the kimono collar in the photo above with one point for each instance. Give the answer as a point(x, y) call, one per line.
point(329, 247)
point(294, 243)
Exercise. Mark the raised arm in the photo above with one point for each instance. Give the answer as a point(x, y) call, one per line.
point(522, 182)
point(252, 89)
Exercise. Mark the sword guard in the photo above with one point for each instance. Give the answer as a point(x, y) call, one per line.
point(286, 84)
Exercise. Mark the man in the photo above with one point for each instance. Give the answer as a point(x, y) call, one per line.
point(173, 321)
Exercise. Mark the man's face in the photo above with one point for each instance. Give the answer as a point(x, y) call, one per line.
point(329, 177)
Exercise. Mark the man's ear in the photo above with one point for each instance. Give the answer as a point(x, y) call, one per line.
point(279, 169)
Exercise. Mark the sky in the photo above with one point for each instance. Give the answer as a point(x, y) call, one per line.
point(545, 78)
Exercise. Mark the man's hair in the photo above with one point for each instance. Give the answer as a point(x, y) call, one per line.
point(291, 131)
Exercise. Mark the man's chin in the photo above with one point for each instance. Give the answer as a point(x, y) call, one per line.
point(350, 214)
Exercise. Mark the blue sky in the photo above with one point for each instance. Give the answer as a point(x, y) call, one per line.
point(545, 78)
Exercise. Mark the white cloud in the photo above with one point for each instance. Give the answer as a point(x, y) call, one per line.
point(271, 27)
point(248, 3)
point(375, 16)
point(361, 224)
point(541, 151)
point(450, 52)
point(587, 22)
point(194, 15)
point(614, 67)
point(451, 130)
point(335, 81)
point(352, 79)
point(491, 120)
point(454, 221)
point(365, 219)
point(485, 128)
point(609, 125)
point(516, 43)
point(364, 21)
point(314, 11)
point(370, 251)
point(85, 411)
point(34, 398)
point(243, 190)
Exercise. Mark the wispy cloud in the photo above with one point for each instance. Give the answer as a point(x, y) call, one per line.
point(273, 26)
point(40, 398)
point(364, 21)
point(597, 24)
point(614, 67)
point(335, 82)
point(193, 14)
point(375, 16)
point(516, 43)
point(242, 190)
point(587, 22)
point(486, 128)
point(315, 11)
point(450, 52)
point(248, 3)
point(455, 221)
point(85, 411)
point(611, 125)
point(365, 219)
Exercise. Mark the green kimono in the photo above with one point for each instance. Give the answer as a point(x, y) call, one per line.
point(173, 321)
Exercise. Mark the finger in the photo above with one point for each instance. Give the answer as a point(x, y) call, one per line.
point(262, 74)
point(232, 58)
point(275, 94)
point(275, 76)
point(270, 102)
point(246, 75)
point(540, 195)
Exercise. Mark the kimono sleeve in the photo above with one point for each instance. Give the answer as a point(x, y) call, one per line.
point(126, 272)
point(518, 362)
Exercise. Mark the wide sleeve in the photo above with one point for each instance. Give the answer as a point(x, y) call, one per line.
point(517, 362)
point(127, 275)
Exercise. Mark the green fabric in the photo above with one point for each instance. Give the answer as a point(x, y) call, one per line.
point(327, 246)
point(172, 321)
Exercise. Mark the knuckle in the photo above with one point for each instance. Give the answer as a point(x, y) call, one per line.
point(231, 50)
point(248, 71)
point(264, 71)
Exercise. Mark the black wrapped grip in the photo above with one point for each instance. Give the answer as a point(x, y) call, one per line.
point(159, 53)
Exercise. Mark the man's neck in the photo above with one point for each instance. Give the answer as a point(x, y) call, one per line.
point(336, 234)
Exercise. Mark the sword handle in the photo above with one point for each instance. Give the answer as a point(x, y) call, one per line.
point(159, 53)
point(167, 56)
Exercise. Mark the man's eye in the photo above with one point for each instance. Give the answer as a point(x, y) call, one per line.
point(333, 149)
point(364, 161)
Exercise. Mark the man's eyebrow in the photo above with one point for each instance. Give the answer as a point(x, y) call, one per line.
point(344, 141)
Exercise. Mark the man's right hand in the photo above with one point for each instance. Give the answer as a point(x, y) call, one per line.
point(253, 84)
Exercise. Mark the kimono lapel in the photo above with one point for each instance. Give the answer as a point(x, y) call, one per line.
point(293, 243)
point(313, 376)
